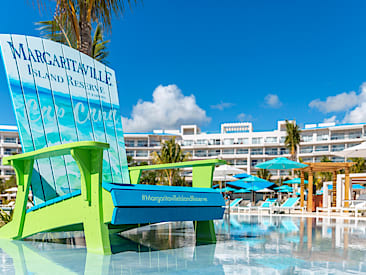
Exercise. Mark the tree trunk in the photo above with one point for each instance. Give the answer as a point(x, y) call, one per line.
point(85, 34)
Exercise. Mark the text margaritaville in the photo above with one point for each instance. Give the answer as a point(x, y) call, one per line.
point(60, 61)
point(159, 199)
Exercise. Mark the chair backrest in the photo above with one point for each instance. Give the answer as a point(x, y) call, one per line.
point(60, 96)
point(290, 202)
point(268, 202)
point(235, 202)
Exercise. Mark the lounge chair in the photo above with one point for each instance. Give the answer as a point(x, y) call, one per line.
point(289, 204)
point(267, 205)
point(75, 162)
point(234, 205)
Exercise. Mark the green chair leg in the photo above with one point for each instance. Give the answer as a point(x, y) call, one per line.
point(205, 232)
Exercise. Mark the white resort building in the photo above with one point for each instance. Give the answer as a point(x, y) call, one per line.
point(9, 145)
point(239, 144)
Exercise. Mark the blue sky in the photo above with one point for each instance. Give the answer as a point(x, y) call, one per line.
point(259, 61)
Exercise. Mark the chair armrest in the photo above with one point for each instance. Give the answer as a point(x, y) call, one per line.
point(202, 170)
point(57, 150)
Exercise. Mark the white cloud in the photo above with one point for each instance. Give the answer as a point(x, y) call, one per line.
point(358, 114)
point(244, 117)
point(352, 103)
point(222, 105)
point(273, 101)
point(168, 110)
point(330, 119)
point(337, 103)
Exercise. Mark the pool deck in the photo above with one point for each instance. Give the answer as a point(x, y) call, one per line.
point(331, 215)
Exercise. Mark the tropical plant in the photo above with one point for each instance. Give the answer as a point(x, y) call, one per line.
point(360, 165)
point(264, 174)
point(73, 20)
point(323, 176)
point(99, 49)
point(170, 152)
point(4, 217)
point(292, 139)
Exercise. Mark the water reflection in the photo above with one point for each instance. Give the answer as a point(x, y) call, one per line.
point(253, 244)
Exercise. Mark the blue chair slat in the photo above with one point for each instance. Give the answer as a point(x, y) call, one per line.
point(153, 215)
point(290, 202)
point(55, 200)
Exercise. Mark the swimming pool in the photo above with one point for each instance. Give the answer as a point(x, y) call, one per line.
point(246, 244)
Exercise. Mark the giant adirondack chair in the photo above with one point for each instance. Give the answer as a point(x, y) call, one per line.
point(74, 160)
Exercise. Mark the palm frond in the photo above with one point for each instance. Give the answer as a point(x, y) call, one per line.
point(99, 48)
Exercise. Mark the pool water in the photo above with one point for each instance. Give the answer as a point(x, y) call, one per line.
point(246, 245)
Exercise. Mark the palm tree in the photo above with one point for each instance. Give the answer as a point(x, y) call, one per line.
point(51, 30)
point(360, 165)
point(264, 174)
point(73, 19)
point(323, 176)
point(292, 138)
point(170, 152)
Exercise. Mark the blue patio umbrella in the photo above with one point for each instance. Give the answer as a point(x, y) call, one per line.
point(255, 183)
point(354, 187)
point(242, 190)
point(280, 163)
point(295, 181)
point(241, 176)
point(228, 189)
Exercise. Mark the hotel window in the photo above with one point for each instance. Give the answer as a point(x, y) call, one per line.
point(228, 151)
point(201, 141)
point(256, 161)
point(337, 136)
point(9, 172)
point(242, 151)
point(337, 147)
point(271, 140)
point(130, 153)
point(307, 138)
point(243, 140)
point(271, 151)
point(154, 143)
point(306, 149)
point(337, 159)
point(187, 142)
point(257, 140)
point(230, 161)
point(322, 148)
point(214, 142)
point(241, 162)
point(142, 153)
point(10, 140)
point(228, 141)
point(10, 151)
point(130, 143)
point(318, 159)
point(322, 136)
point(256, 151)
point(284, 151)
point(142, 143)
point(213, 153)
point(200, 153)
point(355, 134)
point(282, 139)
